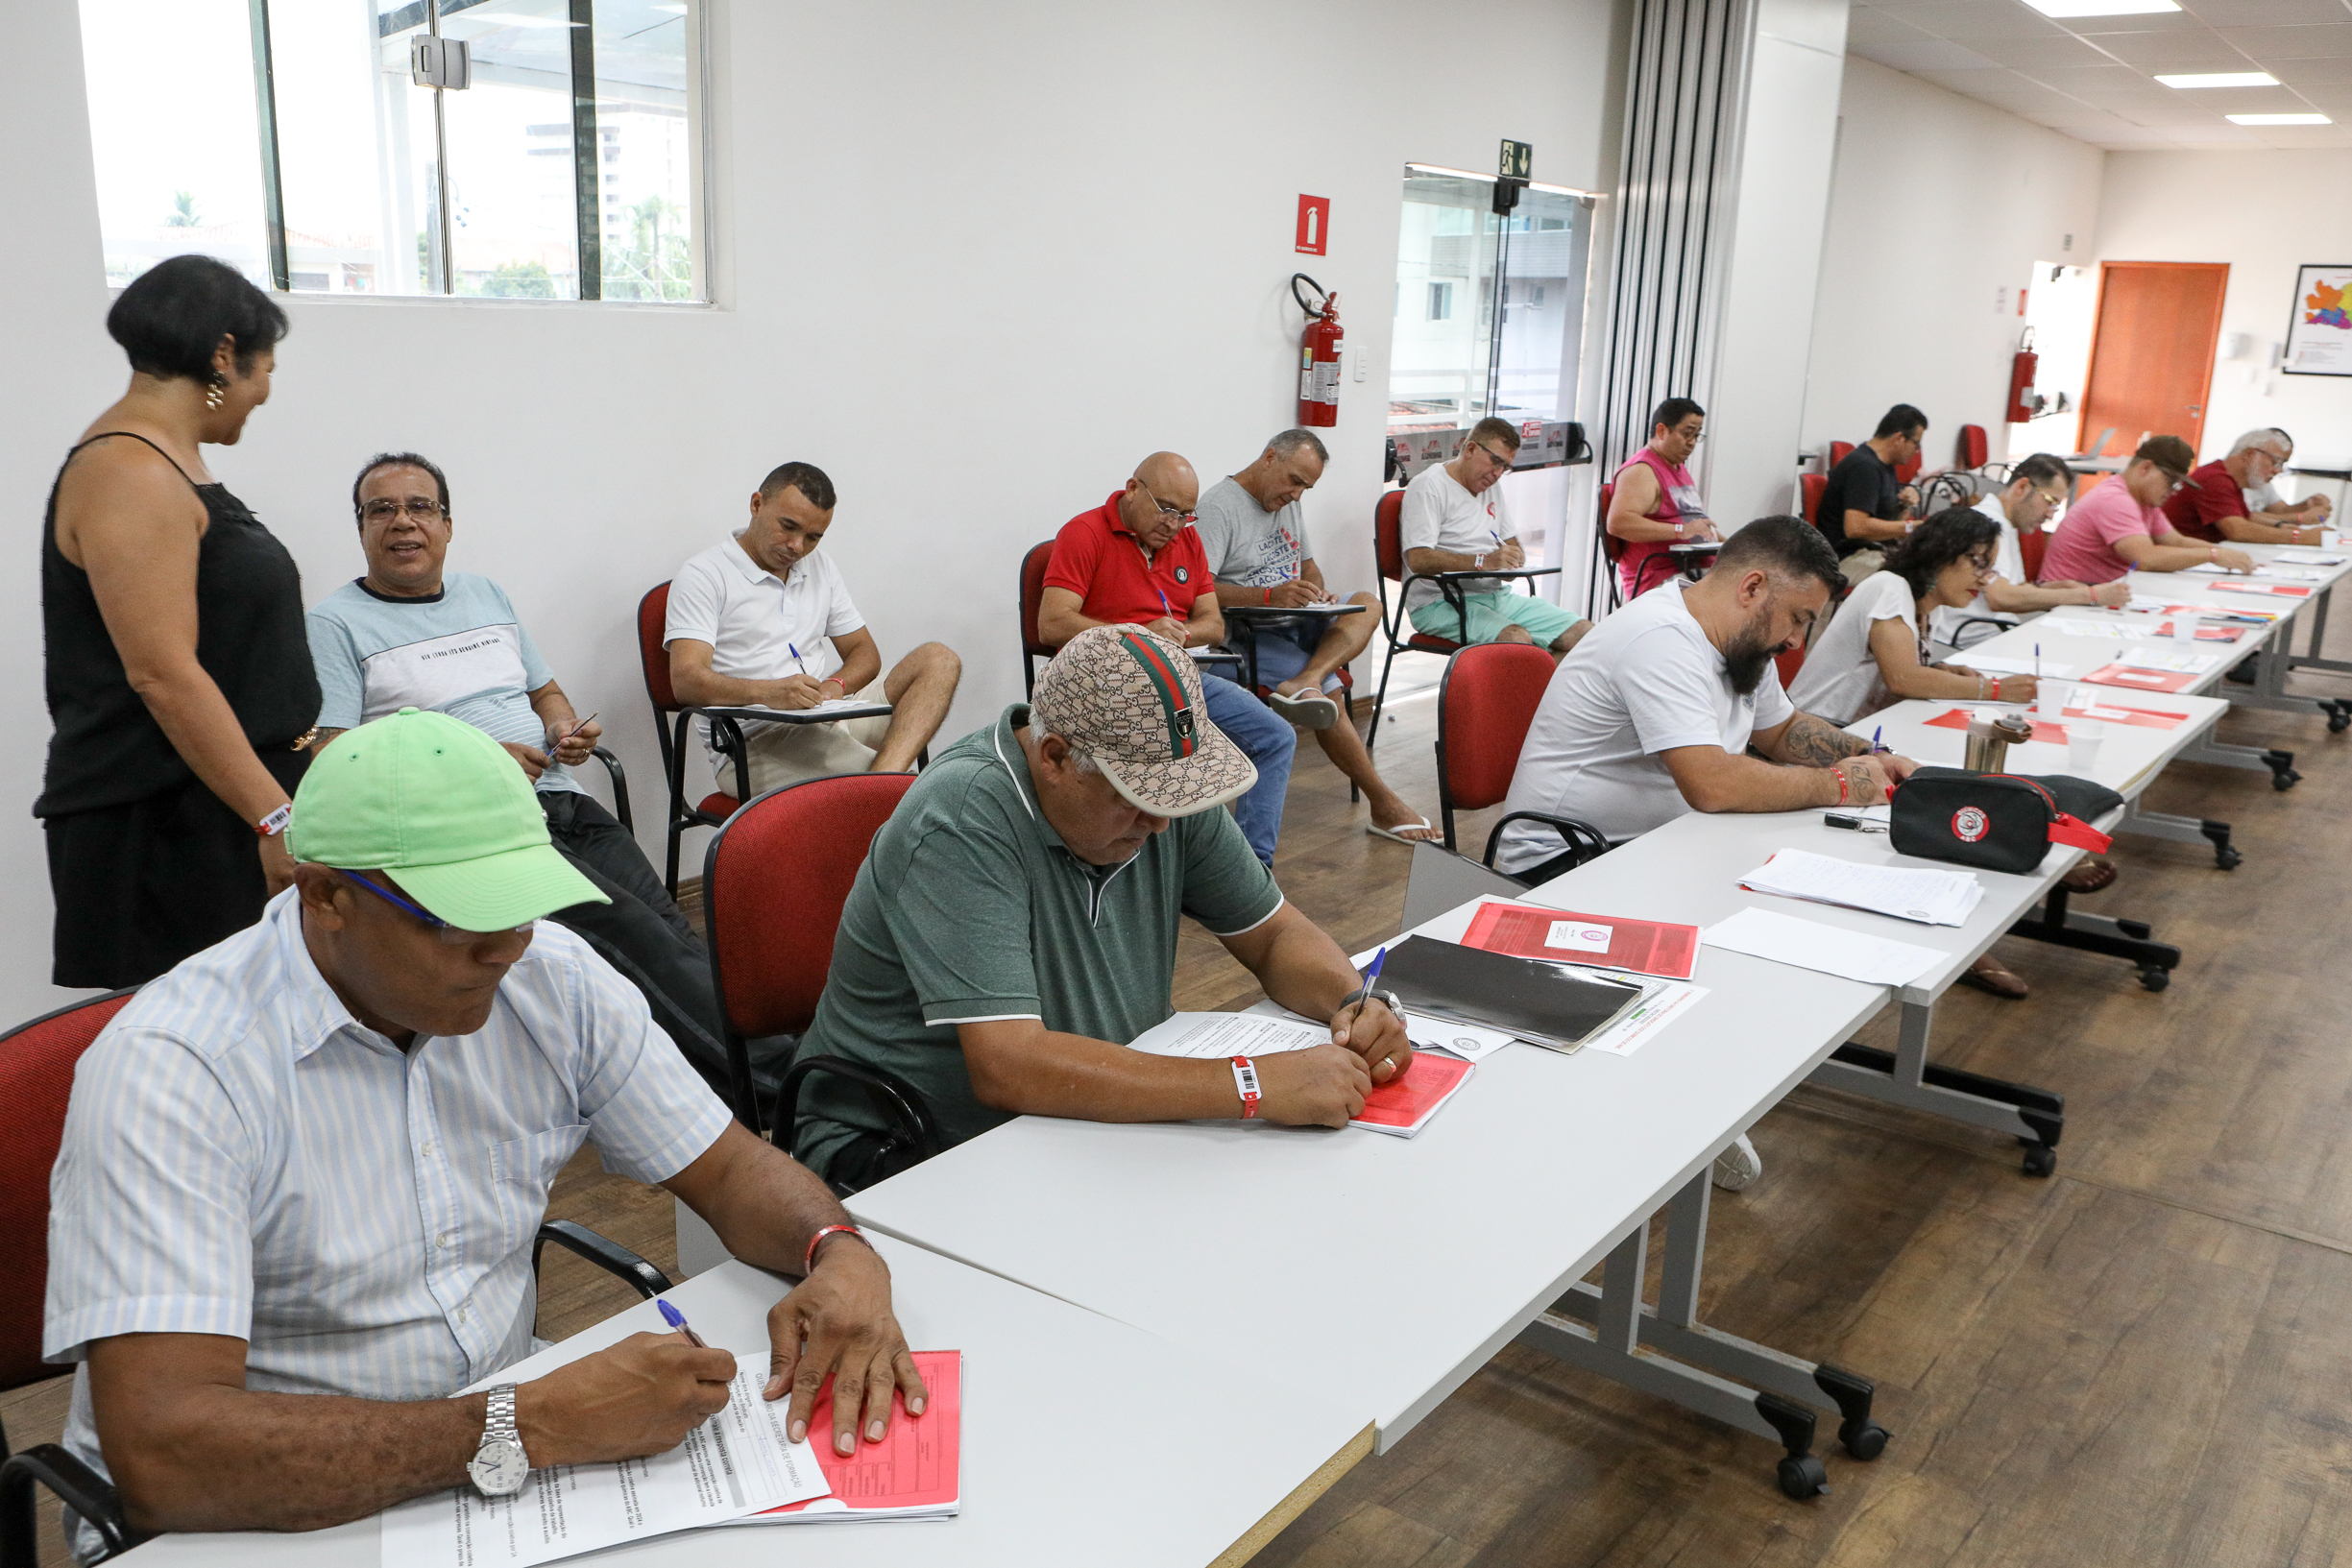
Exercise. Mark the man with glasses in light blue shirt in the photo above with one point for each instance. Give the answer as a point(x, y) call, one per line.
point(302, 1172)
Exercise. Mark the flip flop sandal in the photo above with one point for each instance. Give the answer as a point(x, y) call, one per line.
point(1398, 832)
point(1311, 708)
point(1991, 981)
point(2092, 875)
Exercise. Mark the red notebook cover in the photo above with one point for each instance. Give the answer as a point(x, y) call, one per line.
point(2115, 713)
point(2210, 634)
point(1646, 947)
point(2293, 590)
point(1406, 1102)
point(916, 1465)
point(2142, 680)
point(1957, 719)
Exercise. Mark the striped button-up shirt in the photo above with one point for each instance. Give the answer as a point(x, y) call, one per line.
point(241, 1157)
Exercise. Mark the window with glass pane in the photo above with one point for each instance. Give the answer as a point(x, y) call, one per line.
point(566, 167)
point(172, 180)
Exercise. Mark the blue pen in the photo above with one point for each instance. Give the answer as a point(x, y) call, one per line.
point(676, 1319)
point(797, 659)
point(1876, 745)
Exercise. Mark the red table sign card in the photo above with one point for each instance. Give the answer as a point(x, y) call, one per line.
point(2053, 734)
point(1526, 931)
point(2141, 679)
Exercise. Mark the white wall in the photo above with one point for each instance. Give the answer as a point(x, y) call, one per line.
point(1940, 201)
point(976, 261)
point(2297, 207)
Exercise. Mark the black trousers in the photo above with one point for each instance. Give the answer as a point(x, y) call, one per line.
point(641, 932)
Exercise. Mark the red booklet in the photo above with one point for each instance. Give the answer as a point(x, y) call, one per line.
point(2114, 712)
point(1528, 931)
point(1957, 719)
point(1403, 1106)
point(2291, 591)
point(913, 1472)
point(2141, 679)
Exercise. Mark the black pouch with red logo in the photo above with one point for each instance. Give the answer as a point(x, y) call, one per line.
point(1996, 821)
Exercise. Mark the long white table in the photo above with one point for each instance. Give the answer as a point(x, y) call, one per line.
point(1084, 1440)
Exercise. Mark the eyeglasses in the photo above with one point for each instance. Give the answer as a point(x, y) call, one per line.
point(416, 506)
point(453, 936)
point(1492, 455)
point(1165, 510)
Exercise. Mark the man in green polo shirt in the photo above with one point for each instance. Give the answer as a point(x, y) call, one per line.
point(1015, 925)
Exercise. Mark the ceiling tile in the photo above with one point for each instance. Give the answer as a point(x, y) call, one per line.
point(2289, 137)
point(1927, 54)
point(2199, 51)
point(1868, 25)
point(1971, 83)
point(2037, 54)
point(2009, 22)
point(2333, 100)
point(2266, 12)
point(1940, 17)
point(2333, 41)
point(2313, 72)
point(2161, 21)
point(2107, 78)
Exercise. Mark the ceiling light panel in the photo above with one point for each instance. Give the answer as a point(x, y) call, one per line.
point(2102, 8)
point(2279, 119)
point(2221, 78)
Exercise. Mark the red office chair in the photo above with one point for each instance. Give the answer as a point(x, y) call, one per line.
point(774, 882)
point(1487, 700)
point(1974, 448)
point(2032, 547)
point(1389, 552)
point(36, 1076)
point(670, 721)
point(1839, 450)
point(1810, 487)
point(1788, 663)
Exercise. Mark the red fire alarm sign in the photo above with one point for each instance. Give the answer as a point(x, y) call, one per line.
point(1313, 223)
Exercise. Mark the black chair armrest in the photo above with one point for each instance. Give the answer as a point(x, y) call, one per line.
point(1589, 842)
point(1515, 571)
point(608, 1255)
point(1995, 628)
point(898, 1101)
point(620, 787)
point(79, 1488)
point(729, 736)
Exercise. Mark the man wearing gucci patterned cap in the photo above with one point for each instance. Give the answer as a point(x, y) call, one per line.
point(1015, 925)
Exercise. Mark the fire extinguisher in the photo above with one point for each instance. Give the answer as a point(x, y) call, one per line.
point(1319, 355)
point(2023, 403)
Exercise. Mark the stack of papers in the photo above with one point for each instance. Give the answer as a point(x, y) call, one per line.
point(2285, 573)
point(1809, 943)
point(1402, 1106)
point(915, 1472)
point(2299, 557)
point(737, 1463)
point(1932, 897)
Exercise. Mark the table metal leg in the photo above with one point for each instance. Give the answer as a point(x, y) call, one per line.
point(2125, 939)
point(1905, 1077)
point(2279, 764)
point(1611, 1330)
point(2181, 830)
point(2272, 662)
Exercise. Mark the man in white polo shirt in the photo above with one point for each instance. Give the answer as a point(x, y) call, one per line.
point(1455, 520)
point(1653, 714)
point(764, 620)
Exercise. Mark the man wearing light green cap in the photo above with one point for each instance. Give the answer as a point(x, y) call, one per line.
point(1015, 925)
point(301, 1173)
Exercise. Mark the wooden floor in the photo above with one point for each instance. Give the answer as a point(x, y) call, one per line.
point(2146, 1359)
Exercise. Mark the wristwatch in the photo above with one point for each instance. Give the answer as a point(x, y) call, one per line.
point(499, 1467)
point(1387, 998)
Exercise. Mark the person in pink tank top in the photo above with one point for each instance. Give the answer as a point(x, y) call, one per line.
point(1656, 503)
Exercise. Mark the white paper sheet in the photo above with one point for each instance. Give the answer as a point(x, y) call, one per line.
point(1809, 944)
point(1663, 1002)
point(1211, 1036)
point(1932, 898)
point(1996, 664)
point(2179, 661)
point(736, 1462)
point(2299, 557)
point(1464, 1040)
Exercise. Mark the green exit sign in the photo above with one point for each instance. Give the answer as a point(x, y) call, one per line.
point(1518, 160)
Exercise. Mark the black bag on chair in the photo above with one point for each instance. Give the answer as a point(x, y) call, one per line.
point(1996, 821)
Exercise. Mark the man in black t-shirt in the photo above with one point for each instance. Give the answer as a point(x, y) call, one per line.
point(1862, 505)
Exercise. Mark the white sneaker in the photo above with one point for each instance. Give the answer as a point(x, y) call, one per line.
point(1738, 1165)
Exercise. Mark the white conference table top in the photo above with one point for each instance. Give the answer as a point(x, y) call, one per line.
point(1078, 1432)
point(1387, 1269)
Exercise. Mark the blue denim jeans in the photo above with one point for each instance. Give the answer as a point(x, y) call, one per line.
point(1266, 737)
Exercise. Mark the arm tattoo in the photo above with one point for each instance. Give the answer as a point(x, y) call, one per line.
point(1813, 742)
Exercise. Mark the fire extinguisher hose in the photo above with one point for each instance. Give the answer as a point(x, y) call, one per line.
point(1313, 310)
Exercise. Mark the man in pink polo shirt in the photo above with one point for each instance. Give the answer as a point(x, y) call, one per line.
point(2120, 528)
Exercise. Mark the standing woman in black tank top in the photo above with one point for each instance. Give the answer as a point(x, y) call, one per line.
point(178, 674)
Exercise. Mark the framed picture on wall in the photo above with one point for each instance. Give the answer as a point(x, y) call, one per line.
point(2319, 334)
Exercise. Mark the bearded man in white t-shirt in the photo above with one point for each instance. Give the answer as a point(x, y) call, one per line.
point(1653, 715)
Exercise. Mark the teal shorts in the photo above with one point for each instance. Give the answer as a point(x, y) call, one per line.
point(1490, 613)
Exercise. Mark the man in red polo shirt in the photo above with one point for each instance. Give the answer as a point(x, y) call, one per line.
point(1135, 560)
point(2212, 505)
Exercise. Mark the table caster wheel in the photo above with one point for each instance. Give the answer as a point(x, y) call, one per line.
point(2154, 977)
point(2040, 1159)
point(2338, 717)
point(2285, 779)
point(1801, 1476)
point(2228, 857)
point(1863, 1439)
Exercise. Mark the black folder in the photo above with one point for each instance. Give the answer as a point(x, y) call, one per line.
point(1556, 1005)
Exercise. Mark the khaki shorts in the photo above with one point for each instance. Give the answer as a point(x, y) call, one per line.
point(786, 754)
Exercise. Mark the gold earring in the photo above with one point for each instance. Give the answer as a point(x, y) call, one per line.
point(214, 391)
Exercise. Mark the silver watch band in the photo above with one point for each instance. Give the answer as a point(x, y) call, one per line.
point(502, 1420)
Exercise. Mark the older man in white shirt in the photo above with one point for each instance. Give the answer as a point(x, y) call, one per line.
point(762, 619)
point(301, 1173)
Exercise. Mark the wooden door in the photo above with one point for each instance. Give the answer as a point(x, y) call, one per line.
point(2151, 351)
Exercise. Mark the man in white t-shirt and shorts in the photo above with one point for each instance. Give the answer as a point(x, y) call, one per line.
point(1653, 714)
point(1455, 520)
point(762, 619)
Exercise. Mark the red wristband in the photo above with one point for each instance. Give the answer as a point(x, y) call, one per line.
point(1245, 1080)
point(808, 1264)
point(1841, 785)
point(1268, 598)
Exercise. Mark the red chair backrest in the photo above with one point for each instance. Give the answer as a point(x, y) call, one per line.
point(1789, 663)
point(36, 1079)
point(652, 617)
point(1485, 703)
point(1839, 450)
point(1907, 470)
point(1810, 486)
point(1388, 534)
point(1032, 596)
point(1611, 545)
point(773, 884)
point(1974, 447)
point(2030, 548)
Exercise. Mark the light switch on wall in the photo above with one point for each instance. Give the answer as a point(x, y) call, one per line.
point(1358, 356)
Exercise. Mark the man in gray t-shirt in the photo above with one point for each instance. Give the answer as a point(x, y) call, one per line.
point(1254, 533)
